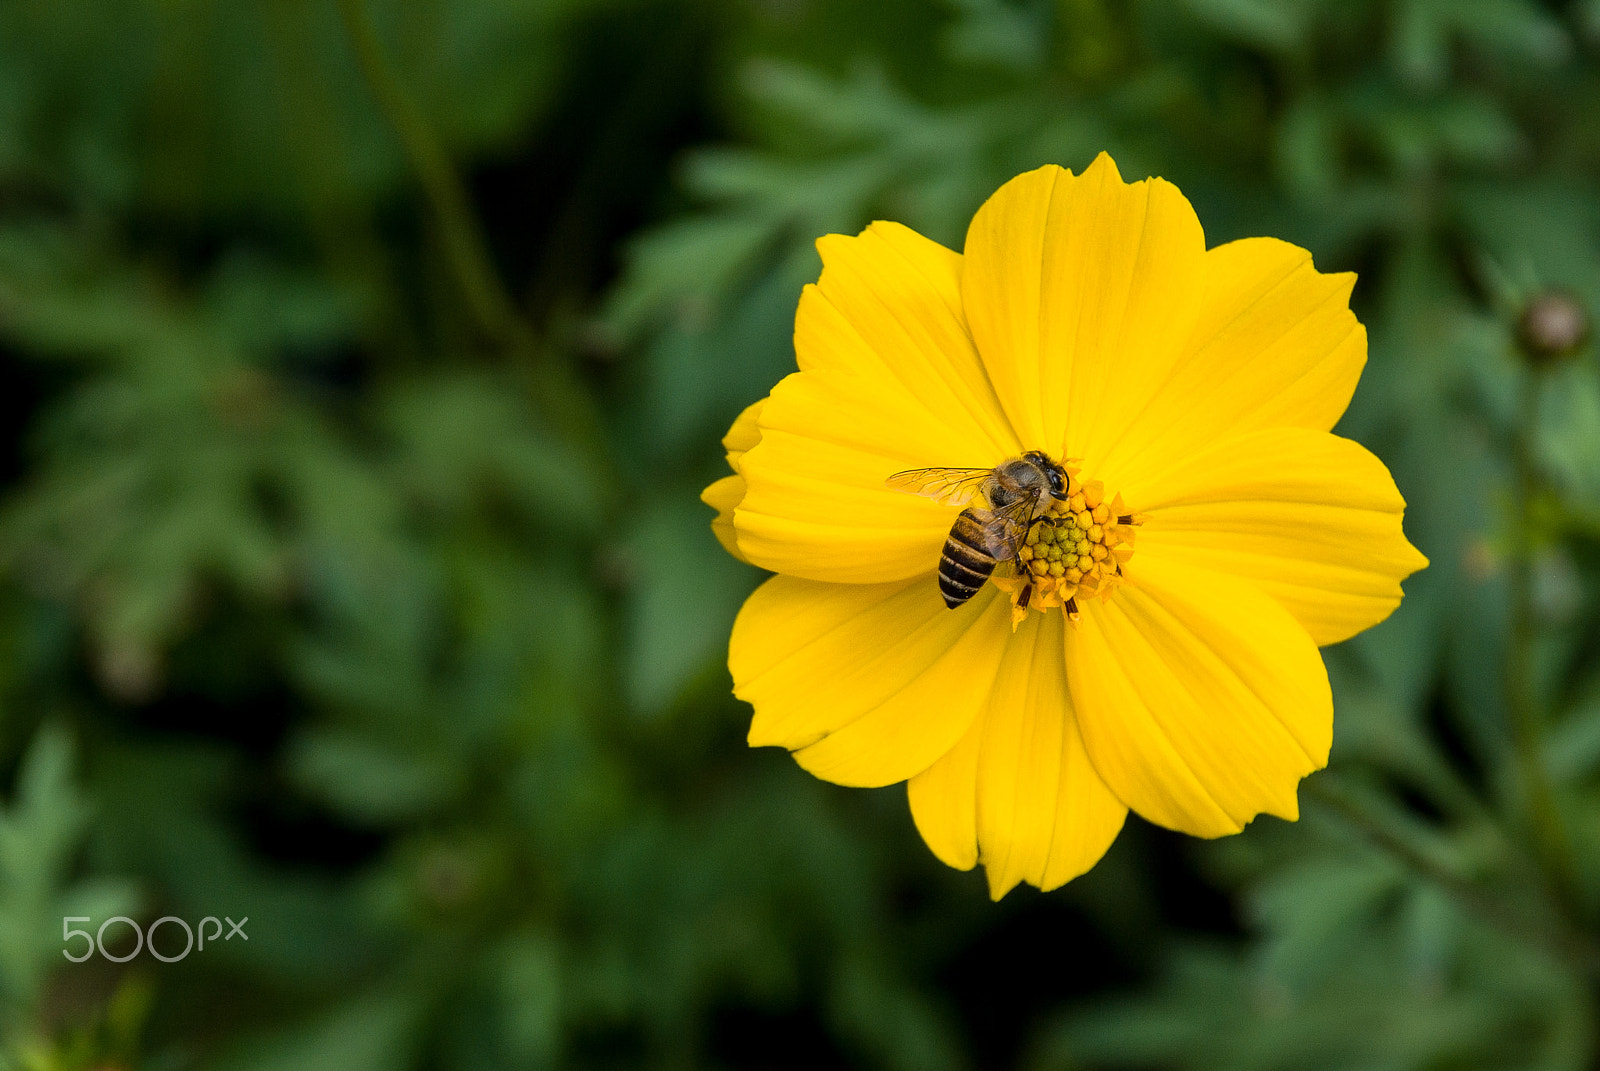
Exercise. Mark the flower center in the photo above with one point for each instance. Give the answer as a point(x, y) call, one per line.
point(1076, 548)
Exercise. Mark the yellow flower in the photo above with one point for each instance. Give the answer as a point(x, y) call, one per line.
point(1176, 672)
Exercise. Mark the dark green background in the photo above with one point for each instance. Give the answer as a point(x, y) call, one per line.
point(348, 590)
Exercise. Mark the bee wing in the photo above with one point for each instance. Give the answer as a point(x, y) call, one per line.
point(948, 487)
point(1007, 526)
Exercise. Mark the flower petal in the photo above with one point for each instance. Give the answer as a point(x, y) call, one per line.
point(1276, 345)
point(867, 684)
point(943, 801)
point(816, 504)
point(889, 381)
point(1309, 518)
point(744, 434)
point(895, 299)
point(1080, 292)
point(725, 494)
point(1202, 701)
point(1018, 790)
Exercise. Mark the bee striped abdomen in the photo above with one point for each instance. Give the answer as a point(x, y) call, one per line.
point(963, 564)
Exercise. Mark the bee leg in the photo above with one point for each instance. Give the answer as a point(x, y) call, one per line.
point(1023, 596)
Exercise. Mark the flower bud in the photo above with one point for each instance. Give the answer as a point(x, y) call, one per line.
point(1553, 327)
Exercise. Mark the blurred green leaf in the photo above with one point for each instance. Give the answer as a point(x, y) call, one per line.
point(41, 834)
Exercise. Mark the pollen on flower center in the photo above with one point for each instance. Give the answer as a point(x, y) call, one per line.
point(1077, 547)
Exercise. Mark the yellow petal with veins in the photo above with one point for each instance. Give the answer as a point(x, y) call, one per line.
point(867, 683)
point(889, 381)
point(1309, 518)
point(888, 306)
point(1202, 701)
point(1081, 292)
point(725, 494)
point(1276, 346)
point(1018, 791)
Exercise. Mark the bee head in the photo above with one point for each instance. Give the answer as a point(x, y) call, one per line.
point(1053, 473)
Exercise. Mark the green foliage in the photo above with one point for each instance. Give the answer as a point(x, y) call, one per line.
point(325, 603)
point(40, 833)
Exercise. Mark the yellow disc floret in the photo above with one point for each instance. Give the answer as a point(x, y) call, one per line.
point(1079, 547)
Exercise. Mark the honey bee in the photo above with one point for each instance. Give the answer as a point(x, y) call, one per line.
point(1012, 495)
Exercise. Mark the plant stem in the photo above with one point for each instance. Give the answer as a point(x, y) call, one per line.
point(1551, 933)
point(1527, 720)
point(559, 395)
point(468, 257)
